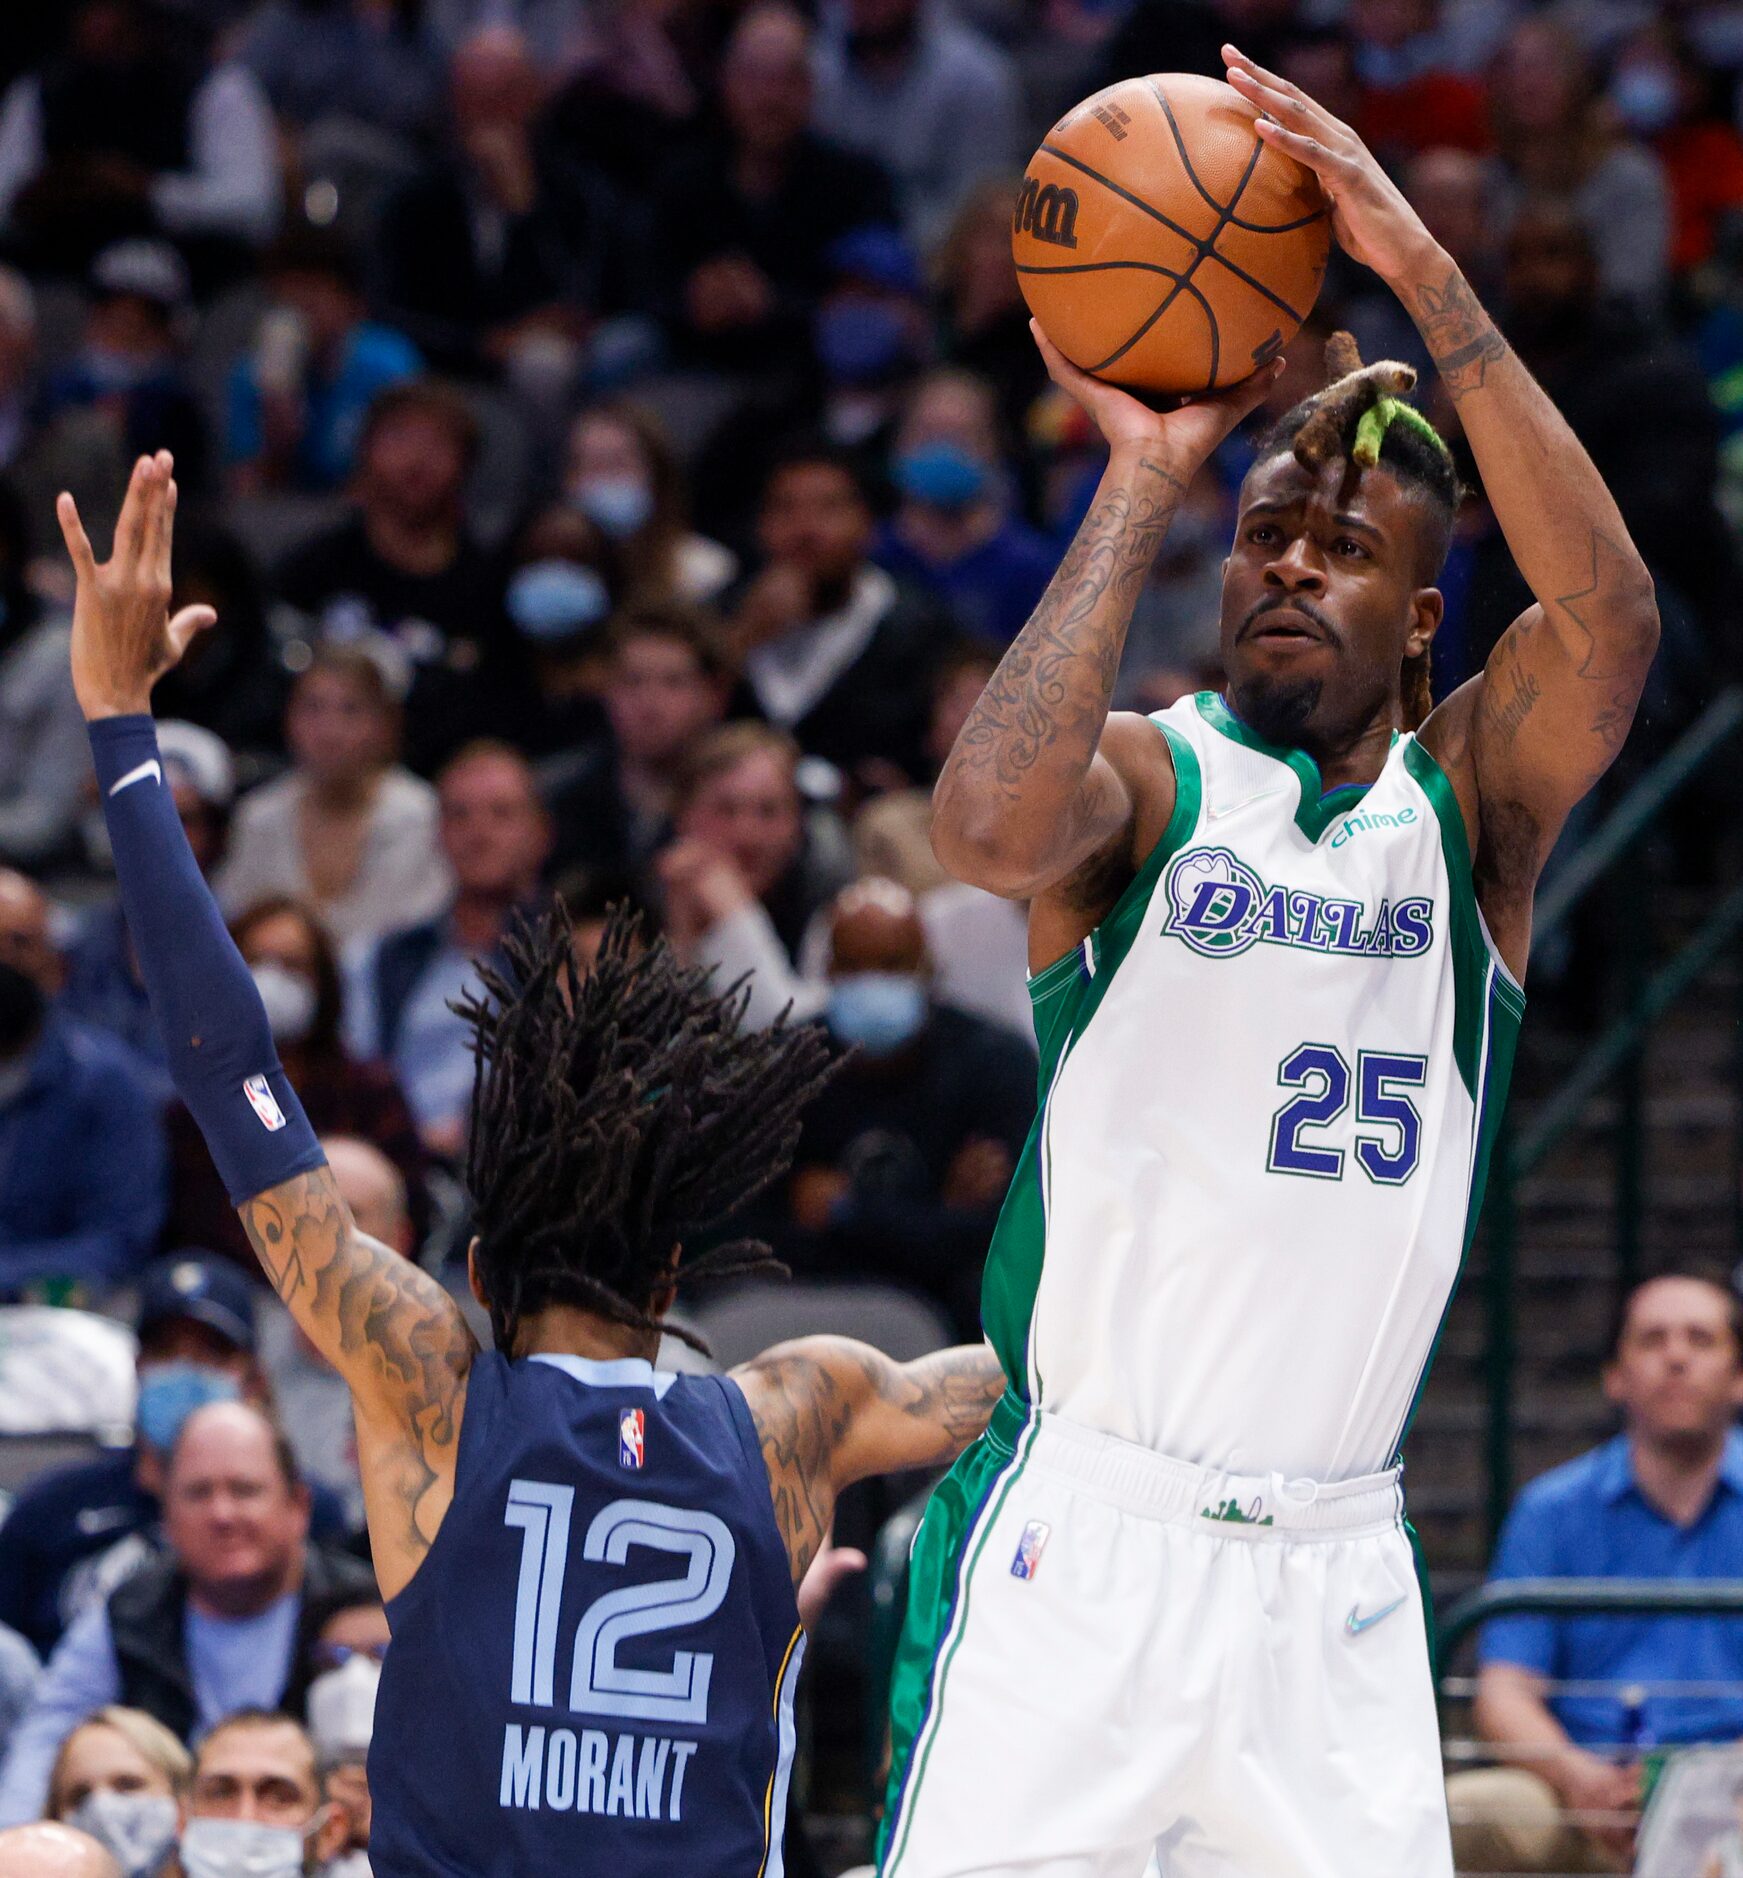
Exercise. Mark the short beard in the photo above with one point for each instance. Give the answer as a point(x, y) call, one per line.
point(1278, 709)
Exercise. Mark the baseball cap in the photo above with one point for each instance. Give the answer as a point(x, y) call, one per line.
point(200, 755)
point(202, 1286)
point(142, 269)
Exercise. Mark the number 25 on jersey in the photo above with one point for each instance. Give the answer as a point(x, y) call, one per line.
point(1307, 1131)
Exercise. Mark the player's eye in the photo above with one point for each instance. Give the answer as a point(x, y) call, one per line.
point(1262, 534)
point(1349, 548)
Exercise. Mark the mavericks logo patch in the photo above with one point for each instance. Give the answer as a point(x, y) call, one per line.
point(1219, 906)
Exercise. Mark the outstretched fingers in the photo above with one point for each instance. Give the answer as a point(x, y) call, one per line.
point(1286, 103)
point(73, 534)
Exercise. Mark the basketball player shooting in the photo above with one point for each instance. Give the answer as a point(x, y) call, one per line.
point(1167, 1607)
point(589, 1564)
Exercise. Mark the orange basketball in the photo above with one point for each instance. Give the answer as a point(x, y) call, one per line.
point(1161, 244)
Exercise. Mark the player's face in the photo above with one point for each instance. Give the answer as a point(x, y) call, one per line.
point(1677, 1372)
point(1320, 601)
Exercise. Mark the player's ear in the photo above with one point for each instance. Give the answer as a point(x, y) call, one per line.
point(1427, 610)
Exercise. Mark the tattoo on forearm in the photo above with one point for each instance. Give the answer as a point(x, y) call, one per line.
point(1461, 337)
point(801, 1414)
point(388, 1327)
point(1055, 682)
point(951, 1395)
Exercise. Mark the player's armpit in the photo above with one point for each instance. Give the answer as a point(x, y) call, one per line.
point(396, 1337)
point(830, 1411)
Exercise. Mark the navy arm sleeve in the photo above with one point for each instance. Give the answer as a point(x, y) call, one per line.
point(203, 998)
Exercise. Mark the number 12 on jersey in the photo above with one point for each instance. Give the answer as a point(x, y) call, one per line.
point(1388, 1135)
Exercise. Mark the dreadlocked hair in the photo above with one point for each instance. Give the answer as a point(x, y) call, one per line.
point(616, 1113)
point(1362, 415)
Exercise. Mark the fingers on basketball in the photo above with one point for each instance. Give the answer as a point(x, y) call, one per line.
point(1162, 244)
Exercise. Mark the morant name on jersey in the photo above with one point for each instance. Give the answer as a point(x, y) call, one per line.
point(587, 1770)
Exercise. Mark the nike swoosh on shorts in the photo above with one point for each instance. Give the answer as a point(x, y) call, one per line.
point(1356, 1624)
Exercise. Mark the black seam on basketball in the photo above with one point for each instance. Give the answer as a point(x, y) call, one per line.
point(1182, 285)
point(1230, 219)
point(1104, 267)
point(1202, 247)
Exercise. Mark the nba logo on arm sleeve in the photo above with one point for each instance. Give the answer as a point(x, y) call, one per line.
point(264, 1103)
point(1028, 1559)
point(631, 1437)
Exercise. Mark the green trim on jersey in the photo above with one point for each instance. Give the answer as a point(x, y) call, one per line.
point(1066, 995)
point(946, 1549)
point(1318, 807)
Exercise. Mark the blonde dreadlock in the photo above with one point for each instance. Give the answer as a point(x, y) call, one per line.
point(1362, 415)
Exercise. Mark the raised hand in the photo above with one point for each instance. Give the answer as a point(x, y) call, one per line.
point(124, 639)
point(1178, 440)
point(1370, 215)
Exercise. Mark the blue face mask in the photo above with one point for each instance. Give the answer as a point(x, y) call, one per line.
point(942, 474)
point(879, 1011)
point(621, 505)
point(554, 600)
point(861, 341)
point(170, 1392)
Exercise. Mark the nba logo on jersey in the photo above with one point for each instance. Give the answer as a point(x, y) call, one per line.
point(631, 1430)
point(264, 1103)
point(1028, 1559)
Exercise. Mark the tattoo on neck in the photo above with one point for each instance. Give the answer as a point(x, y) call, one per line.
point(1461, 337)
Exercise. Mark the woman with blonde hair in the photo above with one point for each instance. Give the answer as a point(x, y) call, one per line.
point(121, 1776)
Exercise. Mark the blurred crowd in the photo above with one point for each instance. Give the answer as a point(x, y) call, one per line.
point(610, 435)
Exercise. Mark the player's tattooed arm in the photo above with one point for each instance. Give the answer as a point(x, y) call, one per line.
point(396, 1337)
point(830, 1411)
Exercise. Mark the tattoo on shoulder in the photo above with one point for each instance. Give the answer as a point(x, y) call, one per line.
point(801, 1415)
point(390, 1329)
point(1461, 337)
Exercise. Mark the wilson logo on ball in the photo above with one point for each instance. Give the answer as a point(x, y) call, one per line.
point(1047, 212)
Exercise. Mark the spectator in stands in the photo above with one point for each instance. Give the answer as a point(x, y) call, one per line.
point(122, 1777)
point(18, 360)
point(1663, 1500)
point(131, 129)
point(491, 258)
point(43, 772)
point(348, 59)
point(50, 1850)
point(1410, 99)
point(299, 396)
point(744, 216)
point(256, 1802)
point(297, 974)
point(347, 1657)
point(905, 1158)
point(20, 1667)
point(565, 586)
point(102, 986)
point(1449, 190)
point(1666, 98)
point(749, 868)
point(81, 1141)
point(406, 564)
point(909, 84)
point(666, 684)
point(221, 1622)
point(311, 1398)
point(833, 649)
point(348, 829)
point(982, 313)
point(1552, 137)
point(496, 836)
point(624, 476)
point(954, 533)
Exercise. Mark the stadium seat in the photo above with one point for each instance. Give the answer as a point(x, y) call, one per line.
point(747, 1320)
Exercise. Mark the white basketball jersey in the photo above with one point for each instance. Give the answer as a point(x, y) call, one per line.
point(1270, 1083)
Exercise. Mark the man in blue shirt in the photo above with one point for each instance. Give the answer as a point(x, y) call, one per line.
point(1664, 1499)
point(83, 1175)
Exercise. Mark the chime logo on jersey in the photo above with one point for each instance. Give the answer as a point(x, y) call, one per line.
point(631, 1438)
point(264, 1103)
point(1219, 906)
point(1028, 1559)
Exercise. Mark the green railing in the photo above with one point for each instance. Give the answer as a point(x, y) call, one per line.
point(1616, 1055)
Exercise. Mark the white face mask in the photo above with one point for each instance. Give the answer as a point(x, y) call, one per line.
point(289, 998)
point(353, 1864)
point(139, 1828)
point(241, 1848)
point(341, 1708)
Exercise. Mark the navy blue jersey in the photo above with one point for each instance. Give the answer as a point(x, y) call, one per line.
point(593, 1669)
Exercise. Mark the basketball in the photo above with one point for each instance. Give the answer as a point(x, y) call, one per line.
point(1161, 244)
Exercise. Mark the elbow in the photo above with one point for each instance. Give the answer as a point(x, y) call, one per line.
point(978, 847)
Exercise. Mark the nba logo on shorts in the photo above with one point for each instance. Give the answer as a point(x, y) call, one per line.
point(1028, 1559)
point(631, 1426)
point(264, 1103)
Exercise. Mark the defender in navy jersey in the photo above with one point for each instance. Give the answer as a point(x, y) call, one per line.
point(589, 1564)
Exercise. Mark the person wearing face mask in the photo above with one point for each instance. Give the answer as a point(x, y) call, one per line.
point(122, 1777)
point(340, 1709)
point(624, 476)
point(560, 597)
point(297, 975)
point(954, 534)
point(81, 1140)
point(904, 1159)
point(74, 1532)
point(256, 1807)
